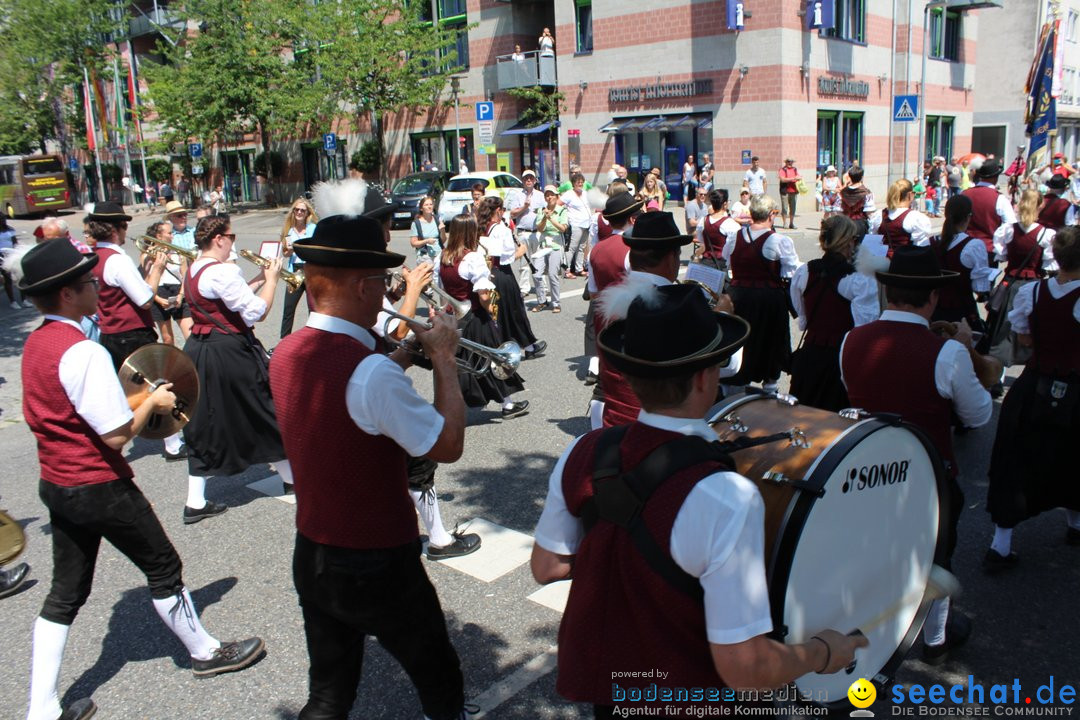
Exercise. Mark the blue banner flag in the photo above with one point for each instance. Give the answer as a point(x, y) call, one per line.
point(820, 14)
point(735, 14)
point(1042, 108)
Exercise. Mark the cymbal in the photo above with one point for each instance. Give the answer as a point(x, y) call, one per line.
point(150, 366)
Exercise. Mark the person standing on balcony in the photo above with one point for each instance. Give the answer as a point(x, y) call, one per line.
point(546, 43)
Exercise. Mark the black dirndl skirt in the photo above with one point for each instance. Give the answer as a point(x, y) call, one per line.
point(512, 317)
point(1032, 465)
point(767, 351)
point(479, 390)
point(815, 377)
point(234, 425)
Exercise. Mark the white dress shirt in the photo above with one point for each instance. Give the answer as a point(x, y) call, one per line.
point(777, 247)
point(861, 290)
point(718, 537)
point(973, 257)
point(535, 201)
point(380, 397)
point(1004, 235)
point(89, 379)
point(915, 224)
point(954, 375)
point(500, 243)
point(225, 282)
point(1024, 303)
point(119, 271)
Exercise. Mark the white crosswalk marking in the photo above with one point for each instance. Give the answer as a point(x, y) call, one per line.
point(553, 596)
point(502, 550)
point(272, 486)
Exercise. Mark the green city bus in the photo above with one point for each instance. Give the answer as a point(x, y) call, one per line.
point(32, 184)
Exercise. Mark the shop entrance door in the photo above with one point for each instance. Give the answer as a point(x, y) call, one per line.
point(674, 157)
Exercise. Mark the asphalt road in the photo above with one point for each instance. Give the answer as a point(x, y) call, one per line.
point(238, 565)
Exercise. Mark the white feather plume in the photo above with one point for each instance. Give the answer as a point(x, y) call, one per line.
point(614, 302)
point(346, 197)
point(597, 198)
point(12, 261)
point(868, 263)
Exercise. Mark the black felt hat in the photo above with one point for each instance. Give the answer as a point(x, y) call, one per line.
point(348, 241)
point(656, 230)
point(51, 265)
point(621, 205)
point(669, 333)
point(989, 170)
point(915, 267)
point(108, 212)
point(377, 206)
point(1057, 182)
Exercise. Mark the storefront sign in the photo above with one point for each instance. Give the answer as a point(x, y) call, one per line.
point(827, 85)
point(660, 90)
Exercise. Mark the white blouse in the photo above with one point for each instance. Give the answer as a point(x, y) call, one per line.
point(500, 243)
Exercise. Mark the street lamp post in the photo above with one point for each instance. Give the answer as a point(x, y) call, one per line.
point(455, 88)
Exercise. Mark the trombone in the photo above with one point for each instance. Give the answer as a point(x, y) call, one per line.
point(153, 246)
point(293, 279)
point(435, 296)
point(503, 361)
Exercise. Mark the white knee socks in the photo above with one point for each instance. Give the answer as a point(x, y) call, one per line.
point(179, 615)
point(934, 628)
point(49, 641)
point(427, 504)
point(596, 414)
point(1002, 542)
point(594, 365)
point(284, 469)
point(173, 443)
point(196, 492)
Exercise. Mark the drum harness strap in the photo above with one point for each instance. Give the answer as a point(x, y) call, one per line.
point(620, 498)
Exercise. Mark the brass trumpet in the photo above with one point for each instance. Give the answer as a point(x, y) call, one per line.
point(153, 246)
point(293, 279)
point(717, 301)
point(436, 297)
point(503, 361)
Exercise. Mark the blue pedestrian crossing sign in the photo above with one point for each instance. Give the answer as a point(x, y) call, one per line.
point(485, 111)
point(195, 150)
point(905, 108)
point(329, 142)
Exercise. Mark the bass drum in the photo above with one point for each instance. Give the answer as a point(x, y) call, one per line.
point(12, 538)
point(852, 511)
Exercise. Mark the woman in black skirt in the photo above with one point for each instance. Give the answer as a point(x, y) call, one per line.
point(465, 276)
point(502, 250)
point(966, 256)
point(234, 425)
point(830, 299)
point(1032, 465)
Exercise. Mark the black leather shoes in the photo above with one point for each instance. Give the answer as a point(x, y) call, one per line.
point(79, 710)
point(11, 580)
point(538, 349)
point(592, 378)
point(518, 408)
point(463, 545)
point(957, 632)
point(994, 562)
point(287, 488)
point(180, 454)
point(228, 658)
point(192, 516)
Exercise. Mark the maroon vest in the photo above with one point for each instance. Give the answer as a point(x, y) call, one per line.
point(1055, 333)
point(956, 299)
point(116, 311)
point(203, 309)
point(603, 228)
point(621, 613)
point(1018, 250)
point(853, 202)
point(713, 237)
point(984, 217)
point(459, 288)
point(70, 451)
point(894, 232)
point(828, 313)
point(351, 487)
point(888, 367)
point(749, 266)
point(607, 261)
point(1053, 213)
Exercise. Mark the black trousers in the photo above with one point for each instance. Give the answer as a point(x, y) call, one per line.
point(118, 512)
point(120, 345)
point(288, 309)
point(347, 595)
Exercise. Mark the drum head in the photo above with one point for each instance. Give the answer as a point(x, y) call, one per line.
point(862, 558)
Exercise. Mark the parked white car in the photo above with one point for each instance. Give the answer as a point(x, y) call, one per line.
point(458, 191)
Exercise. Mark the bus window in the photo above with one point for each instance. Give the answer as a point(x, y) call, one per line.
point(46, 165)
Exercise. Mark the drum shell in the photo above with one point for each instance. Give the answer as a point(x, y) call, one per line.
point(12, 538)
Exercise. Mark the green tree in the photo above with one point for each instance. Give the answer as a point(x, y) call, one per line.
point(159, 169)
point(540, 106)
point(374, 57)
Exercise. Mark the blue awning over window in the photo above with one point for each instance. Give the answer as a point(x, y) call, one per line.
point(520, 129)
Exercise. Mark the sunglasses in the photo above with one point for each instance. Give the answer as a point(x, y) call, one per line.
point(231, 236)
point(300, 210)
point(92, 281)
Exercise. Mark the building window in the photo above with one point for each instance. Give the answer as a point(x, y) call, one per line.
point(583, 25)
point(839, 139)
point(939, 136)
point(850, 24)
point(452, 19)
point(945, 35)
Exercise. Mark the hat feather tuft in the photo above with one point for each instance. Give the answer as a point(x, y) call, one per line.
point(614, 302)
point(868, 263)
point(346, 198)
point(12, 262)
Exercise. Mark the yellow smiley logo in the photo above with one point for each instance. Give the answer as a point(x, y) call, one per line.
point(862, 693)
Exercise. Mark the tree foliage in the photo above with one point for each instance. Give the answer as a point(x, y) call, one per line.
point(159, 169)
point(367, 159)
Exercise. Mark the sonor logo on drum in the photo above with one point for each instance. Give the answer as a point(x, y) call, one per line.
point(871, 476)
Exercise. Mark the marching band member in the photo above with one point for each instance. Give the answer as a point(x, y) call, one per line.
point(599, 229)
point(898, 223)
point(233, 426)
point(1031, 467)
point(77, 410)
point(1056, 211)
point(704, 614)
point(169, 303)
point(714, 230)
point(966, 256)
point(356, 565)
point(501, 248)
point(762, 262)
point(989, 208)
point(928, 379)
point(830, 298)
point(856, 201)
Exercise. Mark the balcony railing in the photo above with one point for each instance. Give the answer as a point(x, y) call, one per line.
point(526, 70)
point(147, 22)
